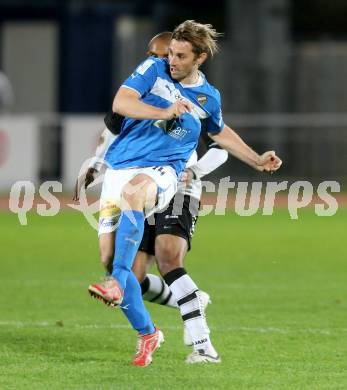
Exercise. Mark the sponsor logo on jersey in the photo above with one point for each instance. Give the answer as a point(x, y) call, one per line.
point(202, 99)
point(178, 133)
point(161, 124)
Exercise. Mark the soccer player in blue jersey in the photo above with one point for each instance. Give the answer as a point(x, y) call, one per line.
point(169, 238)
point(162, 103)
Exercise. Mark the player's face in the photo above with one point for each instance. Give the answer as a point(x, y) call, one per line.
point(159, 49)
point(183, 61)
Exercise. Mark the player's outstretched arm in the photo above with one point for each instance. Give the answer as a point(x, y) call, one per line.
point(232, 142)
point(127, 103)
point(211, 160)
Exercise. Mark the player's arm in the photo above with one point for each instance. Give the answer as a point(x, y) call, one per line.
point(211, 160)
point(105, 140)
point(96, 163)
point(229, 140)
point(127, 103)
point(128, 100)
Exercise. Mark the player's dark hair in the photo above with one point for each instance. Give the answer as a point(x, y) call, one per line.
point(164, 36)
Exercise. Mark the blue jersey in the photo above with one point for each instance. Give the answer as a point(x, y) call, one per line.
point(146, 143)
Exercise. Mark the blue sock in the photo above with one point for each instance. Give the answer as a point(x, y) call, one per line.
point(134, 308)
point(128, 239)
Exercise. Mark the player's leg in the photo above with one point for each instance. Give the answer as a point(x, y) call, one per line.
point(138, 192)
point(108, 218)
point(170, 254)
point(145, 255)
point(151, 189)
point(139, 318)
point(170, 250)
point(137, 195)
point(153, 287)
point(175, 246)
point(174, 229)
point(143, 259)
point(175, 226)
point(106, 249)
point(150, 338)
point(142, 262)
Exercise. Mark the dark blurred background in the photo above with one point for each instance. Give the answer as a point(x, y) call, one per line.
point(282, 73)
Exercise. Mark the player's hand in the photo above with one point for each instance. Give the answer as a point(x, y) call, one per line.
point(84, 180)
point(187, 176)
point(268, 162)
point(177, 109)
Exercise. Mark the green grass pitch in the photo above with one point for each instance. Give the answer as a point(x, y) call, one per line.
point(278, 318)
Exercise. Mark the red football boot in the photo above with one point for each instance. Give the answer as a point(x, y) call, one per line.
point(146, 345)
point(108, 292)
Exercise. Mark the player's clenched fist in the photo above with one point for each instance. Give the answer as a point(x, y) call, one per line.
point(177, 109)
point(269, 162)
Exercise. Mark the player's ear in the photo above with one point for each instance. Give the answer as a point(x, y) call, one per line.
point(201, 58)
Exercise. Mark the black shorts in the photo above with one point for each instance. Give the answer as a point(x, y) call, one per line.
point(178, 219)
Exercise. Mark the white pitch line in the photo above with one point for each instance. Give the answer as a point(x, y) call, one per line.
point(247, 329)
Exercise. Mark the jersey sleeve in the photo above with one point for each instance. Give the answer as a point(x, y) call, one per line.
point(113, 122)
point(215, 123)
point(143, 78)
point(210, 161)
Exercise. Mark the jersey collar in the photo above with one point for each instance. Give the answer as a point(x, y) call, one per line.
point(200, 81)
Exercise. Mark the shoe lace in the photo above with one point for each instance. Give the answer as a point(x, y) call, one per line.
point(109, 281)
point(106, 280)
point(139, 345)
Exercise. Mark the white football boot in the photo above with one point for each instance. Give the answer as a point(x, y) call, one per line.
point(201, 356)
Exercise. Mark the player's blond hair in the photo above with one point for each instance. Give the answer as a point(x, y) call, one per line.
point(203, 37)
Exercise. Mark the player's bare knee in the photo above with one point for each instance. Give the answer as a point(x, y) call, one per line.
point(139, 193)
point(168, 255)
point(165, 267)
